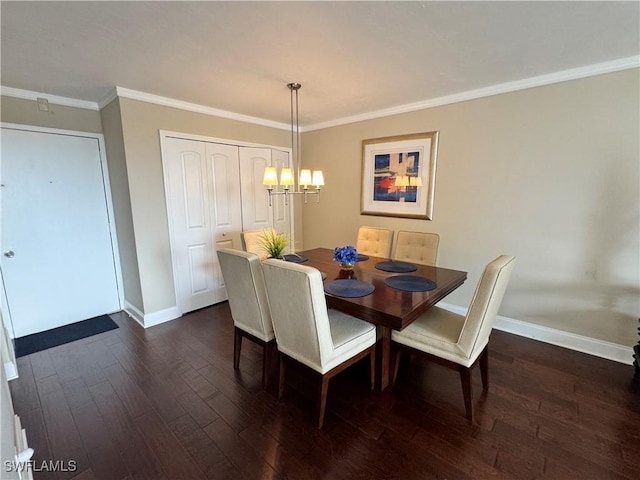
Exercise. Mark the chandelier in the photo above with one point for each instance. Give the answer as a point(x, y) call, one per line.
point(288, 175)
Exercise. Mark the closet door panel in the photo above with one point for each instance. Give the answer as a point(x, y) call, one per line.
point(204, 207)
point(214, 192)
point(195, 193)
point(188, 193)
point(224, 176)
point(281, 211)
point(256, 213)
point(226, 192)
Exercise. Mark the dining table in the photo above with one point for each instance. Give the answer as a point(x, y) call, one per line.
point(387, 307)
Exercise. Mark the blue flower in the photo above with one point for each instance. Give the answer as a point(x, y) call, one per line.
point(346, 254)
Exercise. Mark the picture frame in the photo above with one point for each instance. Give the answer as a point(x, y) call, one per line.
point(399, 175)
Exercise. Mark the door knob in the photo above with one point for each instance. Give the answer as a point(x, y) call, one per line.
point(9, 254)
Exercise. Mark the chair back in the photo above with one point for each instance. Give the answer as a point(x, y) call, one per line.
point(416, 247)
point(374, 241)
point(299, 312)
point(484, 305)
point(244, 281)
point(252, 241)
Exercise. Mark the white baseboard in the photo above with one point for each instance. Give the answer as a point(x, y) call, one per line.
point(151, 319)
point(161, 316)
point(572, 341)
point(134, 313)
point(10, 370)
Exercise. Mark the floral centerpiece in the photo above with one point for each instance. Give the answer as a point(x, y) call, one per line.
point(347, 256)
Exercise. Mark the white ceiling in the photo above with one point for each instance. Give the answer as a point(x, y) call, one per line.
point(351, 57)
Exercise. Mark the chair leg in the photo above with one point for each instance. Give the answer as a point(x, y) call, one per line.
point(237, 346)
point(266, 364)
point(322, 400)
point(275, 359)
point(484, 368)
point(372, 366)
point(395, 366)
point(465, 377)
point(281, 380)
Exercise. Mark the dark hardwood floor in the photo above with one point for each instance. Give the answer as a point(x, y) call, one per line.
point(165, 403)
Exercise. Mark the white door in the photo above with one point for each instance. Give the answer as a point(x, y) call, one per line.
point(224, 169)
point(256, 213)
point(281, 210)
point(203, 196)
point(58, 261)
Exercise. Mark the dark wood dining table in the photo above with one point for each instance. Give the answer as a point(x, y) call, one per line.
point(387, 308)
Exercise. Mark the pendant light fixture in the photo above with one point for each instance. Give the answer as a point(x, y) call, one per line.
point(305, 177)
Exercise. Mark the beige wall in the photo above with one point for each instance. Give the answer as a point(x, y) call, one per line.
point(141, 123)
point(25, 112)
point(550, 174)
point(114, 144)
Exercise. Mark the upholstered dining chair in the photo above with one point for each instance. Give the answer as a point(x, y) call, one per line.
point(459, 341)
point(244, 281)
point(416, 247)
point(251, 241)
point(374, 241)
point(324, 340)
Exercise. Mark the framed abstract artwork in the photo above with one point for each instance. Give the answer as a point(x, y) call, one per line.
point(399, 175)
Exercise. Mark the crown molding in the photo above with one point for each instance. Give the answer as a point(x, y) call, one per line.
point(542, 80)
point(108, 98)
point(193, 107)
point(557, 77)
point(54, 99)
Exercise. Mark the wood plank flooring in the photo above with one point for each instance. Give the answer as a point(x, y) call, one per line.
point(165, 403)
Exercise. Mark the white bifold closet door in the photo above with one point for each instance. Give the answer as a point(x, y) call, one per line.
point(214, 192)
point(205, 211)
point(256, 212)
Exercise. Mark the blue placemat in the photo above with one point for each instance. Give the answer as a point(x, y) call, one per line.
point(410, 283)
point(397, 267)
point(349, 288)
point(362, 257)
point(295, 258)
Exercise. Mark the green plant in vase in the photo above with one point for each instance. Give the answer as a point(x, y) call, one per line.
point(274, 242)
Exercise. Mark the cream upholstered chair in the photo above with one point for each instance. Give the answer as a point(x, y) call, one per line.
point(416, 247)
point(374, 241)
point(324, 340)
point(251, 241)
point(244, 281)
point(457, 341)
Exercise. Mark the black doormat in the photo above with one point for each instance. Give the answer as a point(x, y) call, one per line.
point(61, 335)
